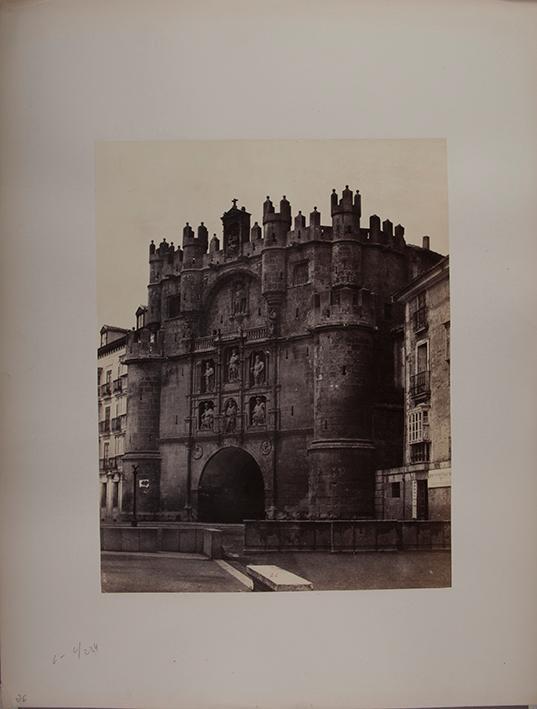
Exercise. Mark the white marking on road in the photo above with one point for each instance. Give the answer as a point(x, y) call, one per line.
point(242, 578)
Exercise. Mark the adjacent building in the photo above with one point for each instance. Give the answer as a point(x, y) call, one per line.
point(421, 487)
point(112, 402)
point(265, 374)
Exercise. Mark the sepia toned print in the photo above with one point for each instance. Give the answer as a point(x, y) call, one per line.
point(278, 418)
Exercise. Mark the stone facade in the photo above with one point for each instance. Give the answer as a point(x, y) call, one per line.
point(421, 488)
point(112, 403)
point(263, 383)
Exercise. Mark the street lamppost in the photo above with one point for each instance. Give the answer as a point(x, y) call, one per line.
point(134, 521)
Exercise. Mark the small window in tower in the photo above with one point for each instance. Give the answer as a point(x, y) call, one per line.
point(281, 275)
point(387, 311)
point(296, 313)
point(316, 300)
point(343, 370)
point(292, 410)
point(396, 489)
point(174, 305)
point(300, 273)
point(325, 424)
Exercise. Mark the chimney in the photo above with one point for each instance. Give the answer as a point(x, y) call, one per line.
point(426, 244)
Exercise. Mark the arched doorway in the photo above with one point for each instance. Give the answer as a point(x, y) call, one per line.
point(231, 488)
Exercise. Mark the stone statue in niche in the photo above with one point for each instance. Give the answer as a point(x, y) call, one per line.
point(233, 243)
point(233, 366)
point(240, 299)
point(258, 411)
point(230, 416)
point(258, 369)
point(208, 375)
point(206, 416)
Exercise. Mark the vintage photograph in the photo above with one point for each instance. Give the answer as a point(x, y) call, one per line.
point(273, 365)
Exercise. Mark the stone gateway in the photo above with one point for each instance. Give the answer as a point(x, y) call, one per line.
point(264, 381)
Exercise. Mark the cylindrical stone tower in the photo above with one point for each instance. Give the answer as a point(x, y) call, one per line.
point(141, 442)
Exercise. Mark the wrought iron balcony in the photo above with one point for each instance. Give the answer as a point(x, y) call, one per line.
point(105, 389)
point(118, 423)
point(104, 426)
point(117, 386)
point(110, 464)
point(419, 319)
point(420, 384)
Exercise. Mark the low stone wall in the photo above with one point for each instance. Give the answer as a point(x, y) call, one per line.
point(346, 535)
point(196, 540)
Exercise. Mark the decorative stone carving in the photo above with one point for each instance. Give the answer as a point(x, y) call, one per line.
point(266, 447)
point(207, 375)
point(233, 366)
point(230, 416)
point(197, 451)
point(206, 416)
point(258, 369)
point(239, 298)
point(258, 411)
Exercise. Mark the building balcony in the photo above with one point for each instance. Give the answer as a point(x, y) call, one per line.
point(105, 389)
point(119, 423)
point(110, 465)
point(419, 319)
point(104, 426)
point(420, 452)
point(420, 384)
point(117, 386)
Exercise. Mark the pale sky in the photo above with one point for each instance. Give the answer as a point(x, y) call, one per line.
point(148, 190)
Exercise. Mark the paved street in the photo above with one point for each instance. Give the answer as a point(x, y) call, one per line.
point(164, 572)
point(364, 570)
point(193, 573)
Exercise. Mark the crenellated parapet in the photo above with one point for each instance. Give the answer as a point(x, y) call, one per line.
point(342, 264)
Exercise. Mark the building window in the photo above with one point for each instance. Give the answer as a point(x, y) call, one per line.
point(104, 338)
point(334, 297)
point(140, 320)
point(300, 273)
point(174, 305)
point(387, 311)
point(316, 300)
point(418, 312)
point(418, 426)
point(396, 489)
point(419, 452)
point(420, 381)
point(398, 364)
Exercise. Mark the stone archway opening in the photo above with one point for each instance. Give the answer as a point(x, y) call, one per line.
point(231, 488)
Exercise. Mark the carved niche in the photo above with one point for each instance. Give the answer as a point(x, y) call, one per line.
point(258, 411)
point(258, 368)
point(230, 416)
point(206, 416)
point(232, 365)
point(208, 376)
